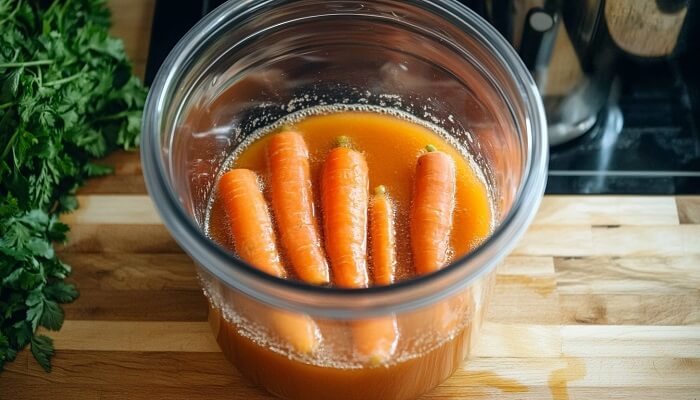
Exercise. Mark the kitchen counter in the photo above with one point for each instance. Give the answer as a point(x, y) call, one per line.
point(600, 299)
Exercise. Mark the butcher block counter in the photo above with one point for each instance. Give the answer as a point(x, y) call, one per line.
point(599, 300)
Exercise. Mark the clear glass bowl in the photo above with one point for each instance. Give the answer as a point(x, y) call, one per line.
point(249, 63)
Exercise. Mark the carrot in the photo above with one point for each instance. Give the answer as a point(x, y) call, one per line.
point(292, 204)
point(251, 225)
point(344, 198)
point(382, 237)
point(431, 223)
point(431, 211)
point(254, 241)
point(298, 330)
point(375, 339)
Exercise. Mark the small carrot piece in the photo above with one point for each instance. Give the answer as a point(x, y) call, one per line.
point(254, 241)
point(293, 207)
point(344, 201)
point(382, 238)
point(250, 222)
point(431, 211)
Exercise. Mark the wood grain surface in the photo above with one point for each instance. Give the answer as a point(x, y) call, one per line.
point(131, 21)
point(600, 299)
point(642, 28)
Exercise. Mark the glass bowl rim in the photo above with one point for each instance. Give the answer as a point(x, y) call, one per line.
point(334, 302)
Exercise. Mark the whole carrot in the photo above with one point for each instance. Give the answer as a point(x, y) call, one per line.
point(375, 339)
point(382, 237)
point(293, 207)
point(250, 222)
point(431, 211)
point(254, 241)
point(431, 223)
point(344, 198)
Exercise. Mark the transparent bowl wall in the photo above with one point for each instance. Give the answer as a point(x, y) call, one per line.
point(250, 63)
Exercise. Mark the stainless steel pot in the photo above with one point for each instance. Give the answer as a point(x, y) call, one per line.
point(573, 49)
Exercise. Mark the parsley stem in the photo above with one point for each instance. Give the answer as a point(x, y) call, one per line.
point(7, 105)
point(9, 145)
point(63, 80)
point(12, 14)
point(26, 63)
point(112, 117)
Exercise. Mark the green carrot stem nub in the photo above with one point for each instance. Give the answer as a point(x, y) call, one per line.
point(342, 141)
point(379, 190)
point(430, 148)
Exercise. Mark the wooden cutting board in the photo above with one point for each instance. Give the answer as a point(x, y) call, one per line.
point(600, 299)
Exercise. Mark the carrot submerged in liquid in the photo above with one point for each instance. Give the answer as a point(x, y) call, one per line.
point(293, 207)
point(344, 200)
point(431, 211)
point(382, 238)
point(375, 339)
point(250, 222)
point(254, 242)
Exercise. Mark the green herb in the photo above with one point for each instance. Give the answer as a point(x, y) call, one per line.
point(67, 96)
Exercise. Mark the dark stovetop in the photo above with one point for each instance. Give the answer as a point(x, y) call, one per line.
point(647, 143)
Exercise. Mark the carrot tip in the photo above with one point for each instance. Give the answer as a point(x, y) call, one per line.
point(342, 141)
point(381, 189)
point(375, 360)
point(430, 148)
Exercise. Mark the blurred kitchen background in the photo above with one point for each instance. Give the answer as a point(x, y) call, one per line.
point(619, 79)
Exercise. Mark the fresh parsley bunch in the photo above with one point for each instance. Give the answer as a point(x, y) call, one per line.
point(67, 96)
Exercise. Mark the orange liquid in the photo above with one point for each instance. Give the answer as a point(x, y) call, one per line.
point(291, 379)
point(391, 146)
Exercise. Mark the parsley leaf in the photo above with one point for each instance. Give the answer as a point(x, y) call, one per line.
point(66, 96)
point(42, 349)
point(61, 292)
